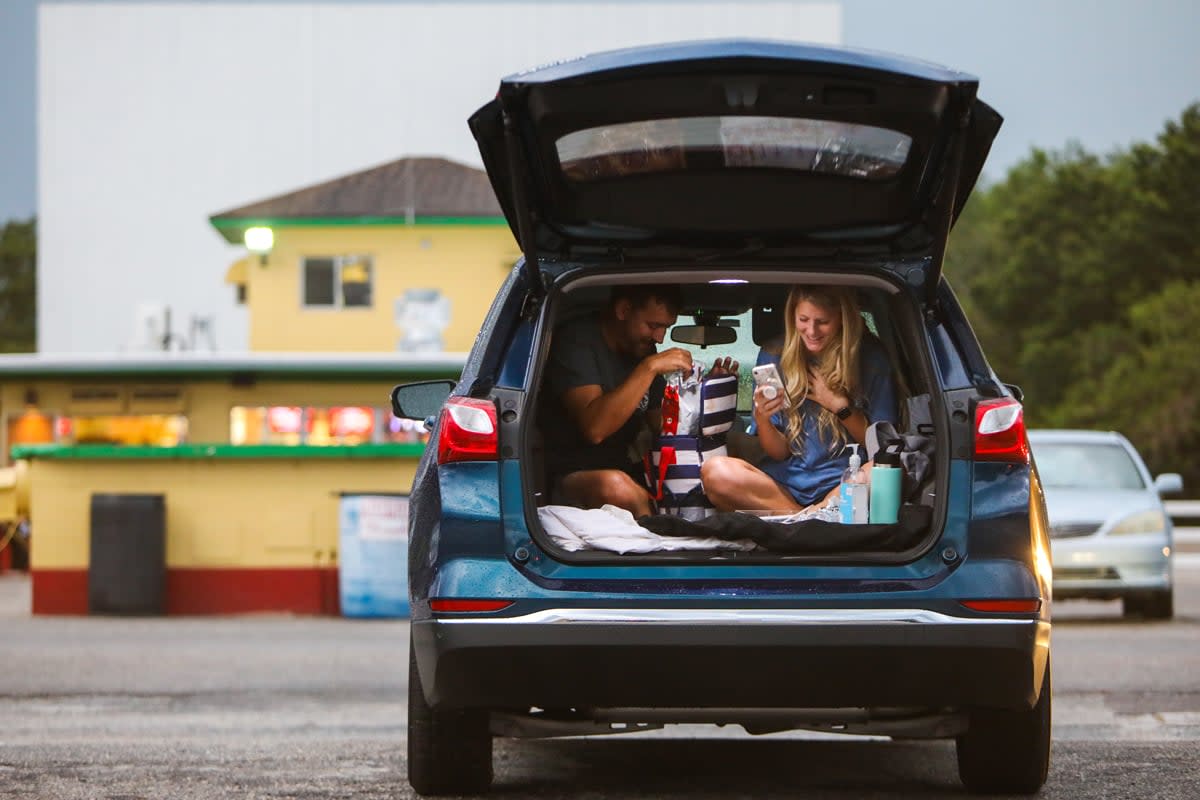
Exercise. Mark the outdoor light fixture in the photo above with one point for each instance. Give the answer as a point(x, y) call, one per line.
point(259, 240)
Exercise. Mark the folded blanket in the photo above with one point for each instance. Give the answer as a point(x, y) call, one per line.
point(614, 529)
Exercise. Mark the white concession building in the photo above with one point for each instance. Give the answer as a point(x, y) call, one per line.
point(153, 114)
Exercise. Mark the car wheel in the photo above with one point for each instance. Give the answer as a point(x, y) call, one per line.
point(1157, 605)
point(1007, 752)
point(449, 750)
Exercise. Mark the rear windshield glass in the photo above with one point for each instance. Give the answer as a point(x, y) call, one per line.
point(1086, 466)
point(662, 145)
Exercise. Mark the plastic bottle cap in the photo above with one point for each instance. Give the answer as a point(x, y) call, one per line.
point(889, 455)
point(855, 458)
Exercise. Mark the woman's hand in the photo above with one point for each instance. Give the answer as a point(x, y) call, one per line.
point(820, 393)
point(773, 442)
point(764, 408)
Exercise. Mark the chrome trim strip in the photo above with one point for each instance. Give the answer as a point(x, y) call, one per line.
point(734, 616)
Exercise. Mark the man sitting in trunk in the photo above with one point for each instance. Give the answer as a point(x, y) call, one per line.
point(604, 387)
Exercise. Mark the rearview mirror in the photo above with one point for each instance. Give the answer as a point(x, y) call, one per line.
point(703, 335)
point(420, 400)
point(1169, 483)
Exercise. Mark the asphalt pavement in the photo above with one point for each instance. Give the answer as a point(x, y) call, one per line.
point(282, 706)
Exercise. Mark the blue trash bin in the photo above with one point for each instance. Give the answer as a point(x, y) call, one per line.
point(373, 555)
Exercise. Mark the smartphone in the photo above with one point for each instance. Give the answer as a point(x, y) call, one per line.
point(768, 375)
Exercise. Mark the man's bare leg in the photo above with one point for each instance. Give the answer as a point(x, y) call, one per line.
point(596, 487)
point(733, 484)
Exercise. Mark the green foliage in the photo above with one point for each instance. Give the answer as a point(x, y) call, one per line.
point(18, 287)
point(1082, 277)
point(1149, 390)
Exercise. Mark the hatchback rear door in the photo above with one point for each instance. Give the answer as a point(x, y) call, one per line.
point(732, 144)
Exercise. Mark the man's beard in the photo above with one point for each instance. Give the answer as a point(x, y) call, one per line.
point(644, 348)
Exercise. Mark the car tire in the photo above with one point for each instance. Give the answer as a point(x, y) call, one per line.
point(1156, 605)
point(449, 750)
point(1007, 752)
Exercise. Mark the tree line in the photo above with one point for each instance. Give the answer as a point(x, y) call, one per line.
point(18, 287)
point(1081, 276)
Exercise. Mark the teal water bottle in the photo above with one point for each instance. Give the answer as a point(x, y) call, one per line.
point(885, 485)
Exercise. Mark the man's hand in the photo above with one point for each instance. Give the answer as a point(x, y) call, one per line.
point(674, 359)
point(723, 366)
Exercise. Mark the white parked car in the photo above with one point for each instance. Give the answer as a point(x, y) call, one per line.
point(1110, 534)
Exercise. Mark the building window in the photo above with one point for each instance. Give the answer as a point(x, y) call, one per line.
point(146, 430)
point(337, 282)
point(315, 425)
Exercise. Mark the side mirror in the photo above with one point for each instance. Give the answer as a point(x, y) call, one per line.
point(703, 335)
point(1015, 391)
point(420, 400)
point(1169, 483)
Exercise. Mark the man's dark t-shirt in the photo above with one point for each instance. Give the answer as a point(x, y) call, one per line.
point(579, 356)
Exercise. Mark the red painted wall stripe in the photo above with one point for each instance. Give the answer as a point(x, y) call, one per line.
point(205, 591)
point(59, 591)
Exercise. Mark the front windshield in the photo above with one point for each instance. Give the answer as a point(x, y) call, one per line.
point(744, 350)
point(1086, 466)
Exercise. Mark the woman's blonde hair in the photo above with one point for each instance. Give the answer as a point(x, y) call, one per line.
point(837, 364)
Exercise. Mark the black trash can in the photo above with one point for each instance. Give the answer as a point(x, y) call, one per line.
point(127, 569)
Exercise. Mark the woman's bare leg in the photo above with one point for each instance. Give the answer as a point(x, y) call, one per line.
point(733, 484)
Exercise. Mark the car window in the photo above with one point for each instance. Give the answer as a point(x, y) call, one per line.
point(1086, 466)
point(830, 147)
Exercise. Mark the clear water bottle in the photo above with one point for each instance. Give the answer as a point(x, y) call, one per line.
point(854, 492)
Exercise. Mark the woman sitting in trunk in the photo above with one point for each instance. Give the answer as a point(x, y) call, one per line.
point(837, 381)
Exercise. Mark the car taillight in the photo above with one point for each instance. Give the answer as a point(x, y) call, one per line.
point(468, 431)
point(1000, 431)
point(461, 606)
point(1024, 606)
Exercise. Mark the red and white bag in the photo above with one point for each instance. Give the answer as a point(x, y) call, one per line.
point(708, 409)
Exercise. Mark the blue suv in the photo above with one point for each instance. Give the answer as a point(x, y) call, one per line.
point(733, 169)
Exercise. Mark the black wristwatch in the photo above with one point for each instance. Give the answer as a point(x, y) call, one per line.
point(845, 413)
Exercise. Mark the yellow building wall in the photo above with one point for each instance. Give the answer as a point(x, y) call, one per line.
point(467, 263)
point(235, 513)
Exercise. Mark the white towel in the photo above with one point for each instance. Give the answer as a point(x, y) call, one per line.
point(614, 529)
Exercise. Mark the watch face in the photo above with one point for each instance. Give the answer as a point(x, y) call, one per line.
point(845, 412)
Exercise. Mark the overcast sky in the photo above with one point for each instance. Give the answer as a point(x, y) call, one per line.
point(1103, 72)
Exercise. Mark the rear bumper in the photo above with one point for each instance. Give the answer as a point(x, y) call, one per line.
point(733, 658)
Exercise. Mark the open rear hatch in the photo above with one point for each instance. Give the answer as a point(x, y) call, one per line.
point(730, 145)
point(785, 156)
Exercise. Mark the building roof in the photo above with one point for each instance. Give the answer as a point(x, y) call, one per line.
point(406, 191)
